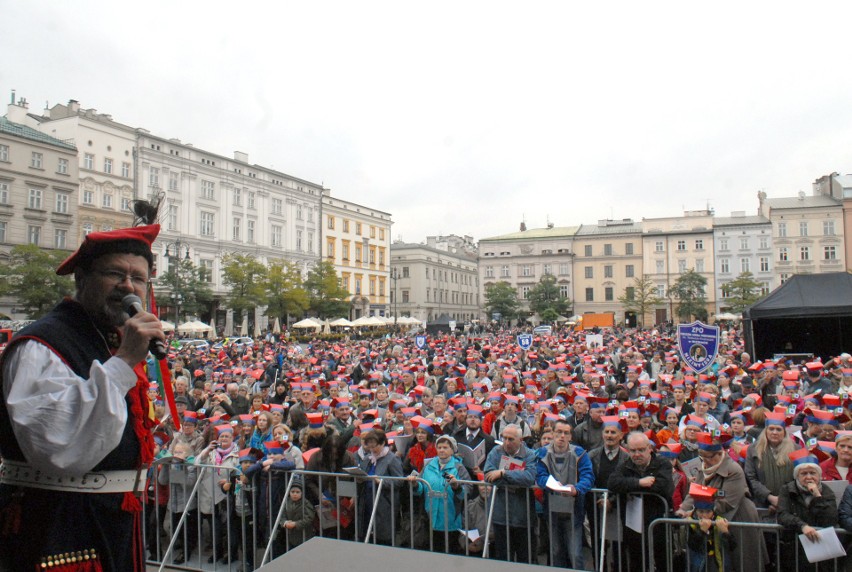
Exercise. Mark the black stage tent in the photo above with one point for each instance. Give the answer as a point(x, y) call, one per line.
point(810, 313)
point(440, 324)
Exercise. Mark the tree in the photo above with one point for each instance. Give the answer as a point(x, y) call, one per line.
point(285, 294)
point(545, 298)
point(30, 276)
point(188, 282)
point(246, 277)
point(640, 297)
point(689, 291)
point(503, 299)
point(327, 297)
point(741, 292)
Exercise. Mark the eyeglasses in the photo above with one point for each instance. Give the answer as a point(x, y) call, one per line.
point(118, 277)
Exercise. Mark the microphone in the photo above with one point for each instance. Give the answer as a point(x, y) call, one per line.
point(133, 305)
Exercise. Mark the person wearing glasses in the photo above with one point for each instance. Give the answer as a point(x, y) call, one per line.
point(643, 472)
point(75, 434)
point(732, 503)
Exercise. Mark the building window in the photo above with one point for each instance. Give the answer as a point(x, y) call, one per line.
point(358, 252)
point(681, 245)
point(206, 224)
point(744, 243)
point(699, 244)
point(590, 294)
point(630, 293)
point(33, 234)
point(681, 266)
point(783, 254)
point(88, 161)
point(504, 271)
point(381, 257)
point(276, 206)
point(526, 270)
point(4, 153)
point(525, 292)
point(372, 231)
point(125, 170)
point(208, 190)
point(658, 246)
point(251, 196)
point(764, 242)
point(764, 264)
point(62, 166)
point(381, 234)
point(608, 294)
point(764, 288)
point(608, 271)
point(829, 253)
point(154, 177)
point(35, 199)
point(405, 272)
point(372, 256)
point(782, 229)
point(62, 203)
point(172, 217)
point(125, 204)
point(607, 250)
point(331, 222)
point(828, 227)
point(310, 214)
point(276, 235)
point(345, 225)
point(661, 290)
point(745, 265)
point(723, 244)
point(405, 296)
point(659, 265)
point(784, 277)
point(298, 212)
point(699, 265)
point(628, 249)
point(589, 271)
point(173, 180)
point(547, 269)
point(345, 251)
point(803, 228)
point(311, 243)
point(299, 234)
point(805, 253)
point(107, 165)
point(358, 287)
point(563, 269)
point(206, 270)
point(250, 232)
point(563, 290)
point(37, 160)
point(88, 228)
point(724, 266)
point(329, 247)
point(60, 238)
point(238, 197)
point(4, 193)
point(237, 233)
point(2, 231)
point(358, 228)
point(107, 203)
point(629, 271)
point(587, 250)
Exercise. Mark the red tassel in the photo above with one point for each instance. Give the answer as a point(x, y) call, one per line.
point(130, 503)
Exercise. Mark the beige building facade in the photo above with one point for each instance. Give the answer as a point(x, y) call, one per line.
point(608, 257)
point(356, 239)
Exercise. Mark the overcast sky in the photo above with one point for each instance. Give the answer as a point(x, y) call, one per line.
point(468, 117)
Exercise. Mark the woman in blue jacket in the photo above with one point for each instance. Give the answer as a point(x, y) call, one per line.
point(446, 505)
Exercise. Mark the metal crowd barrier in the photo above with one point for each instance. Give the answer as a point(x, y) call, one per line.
point(351, 508)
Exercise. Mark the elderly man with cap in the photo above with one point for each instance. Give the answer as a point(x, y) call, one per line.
point(75, 413)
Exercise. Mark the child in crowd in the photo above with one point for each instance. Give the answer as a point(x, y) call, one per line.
point(710, 541)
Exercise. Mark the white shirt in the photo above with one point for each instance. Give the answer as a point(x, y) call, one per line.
point(64, 423)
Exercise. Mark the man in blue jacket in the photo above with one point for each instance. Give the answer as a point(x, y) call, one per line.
point(571, 468)
point(512, 468)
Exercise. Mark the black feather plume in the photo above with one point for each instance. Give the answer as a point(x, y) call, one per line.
point(146, 212)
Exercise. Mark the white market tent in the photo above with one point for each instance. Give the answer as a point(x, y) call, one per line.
point(167, 326)
point(340, 322)
point(307, 323)
point(194, 327)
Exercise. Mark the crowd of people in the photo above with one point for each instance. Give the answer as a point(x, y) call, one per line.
point(467, 417)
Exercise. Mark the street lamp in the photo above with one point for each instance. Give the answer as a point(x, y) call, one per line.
point(395, 277)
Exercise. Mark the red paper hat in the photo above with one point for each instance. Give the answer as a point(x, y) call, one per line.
point(703, 497)
point(134, 240)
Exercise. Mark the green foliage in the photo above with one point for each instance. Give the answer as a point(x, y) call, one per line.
point(190, 283)
point(328, 299)
point(502, 298)
point(545, 298)
point(741, 292)
point(285, 294)
point(644, 298)
point(689, 291)
point(246, 278)
point(30, 276)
